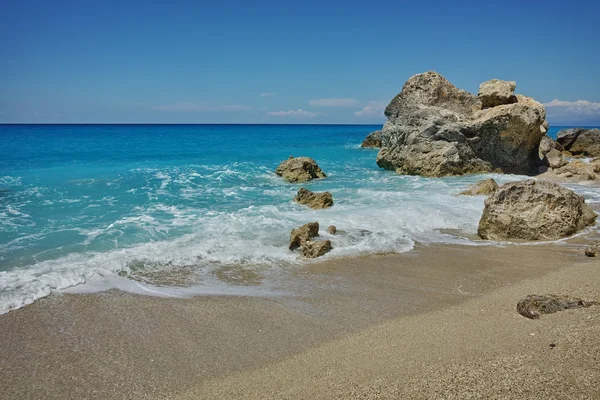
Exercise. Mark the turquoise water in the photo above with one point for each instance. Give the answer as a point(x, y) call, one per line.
point(90, 202)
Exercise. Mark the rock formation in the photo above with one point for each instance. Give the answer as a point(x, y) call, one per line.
point(316, 249)
point(534, 305)
point(373, 139)
point(303, 234)
point(436, 129)
point(332, 229)
point(300, 169)
point(580, 141)
point(534, 210)
point(547, 144)
point(481, 188)
point(496, 93)
point(314, 200)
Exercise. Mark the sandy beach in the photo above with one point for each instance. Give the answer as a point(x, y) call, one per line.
point(436, 322)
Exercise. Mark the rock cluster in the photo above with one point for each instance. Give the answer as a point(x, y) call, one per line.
point(373, 139)
point(302, 237)
point(436, 129)
point(580, 141)
point(314, 200)
point(533, 210)
point(481, 188)
point(300, 169)
point(593, 249)
point(534, 305)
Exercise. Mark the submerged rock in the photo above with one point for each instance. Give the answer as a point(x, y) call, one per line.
point(496, 93)
point(300, 169)
point(593, 249)
point(316, 249)
point(534, 210)
point(481, 188)
point(373, 139)
point(303, 234)
point(314, 200)
point(534, 305)
point(332, 229)
point(436, 129)
point(580, 141)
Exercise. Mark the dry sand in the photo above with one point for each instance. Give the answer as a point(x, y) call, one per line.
point(437, 322)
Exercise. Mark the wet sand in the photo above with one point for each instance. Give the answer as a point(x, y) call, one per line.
point(436, 322)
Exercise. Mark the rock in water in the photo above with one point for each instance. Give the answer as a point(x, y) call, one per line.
point(332, 229)
point(533, 210)
point(436, 129)
point(373, 139)
point(534, 305)
point(303, 234)
point(314, 200)
point(481, 188)
point(496, 93)
point(593, 249)
point(300, 169)
point(316, 249)
point(580, 141)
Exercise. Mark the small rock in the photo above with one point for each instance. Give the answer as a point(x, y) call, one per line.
point(301, 235)
point(373, 139)
point(593, 249)
point(552, 345)
point(314, 200)
point(496, 93)
point(534, 305)
point(300, 169)
point(555, 159)
point(481, 188)
point(316, 249)
point(332, 229)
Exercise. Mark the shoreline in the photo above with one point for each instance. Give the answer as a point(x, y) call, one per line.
point(137, 346)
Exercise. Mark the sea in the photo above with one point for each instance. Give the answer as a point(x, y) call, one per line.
point(179, 210)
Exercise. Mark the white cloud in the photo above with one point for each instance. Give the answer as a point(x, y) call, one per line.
point(333, 102)
point(268, 94)
point(200, 107)
point(293, 113)
point(372, 109)
point(572, 108)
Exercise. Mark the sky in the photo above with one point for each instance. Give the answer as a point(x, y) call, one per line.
point(285, 62)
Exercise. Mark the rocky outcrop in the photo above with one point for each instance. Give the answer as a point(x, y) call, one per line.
point(580, 141)
point(481, 188)
point(373, 139)
point(300, 169)
point(534, 305)
point(316, 249)
point(300, 236)
point(496, 93)
point(332, 229)
point(593, 249)
point(314, 200)
point(436, 129)
point(547, 144)
point(534, 210)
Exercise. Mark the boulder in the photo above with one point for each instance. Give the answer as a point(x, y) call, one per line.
point(578, 170)
point(496, 93)
point(481, 188)
point(303, 234)
point(436, 129)
point(534, 210)
point(373, 139)
point(547, 144)
point(300, 169)
point(332, 229)
point(316, 249)
point(593, 249)
point(555, 159)
point(534, 305)
point(580, 141)
point(314, 200)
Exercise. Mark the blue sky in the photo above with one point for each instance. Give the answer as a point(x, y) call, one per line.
point(285, 62)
